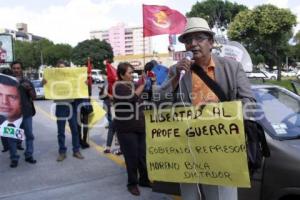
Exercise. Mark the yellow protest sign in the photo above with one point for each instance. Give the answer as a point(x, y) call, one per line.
point(198, 145)
point(65, 83)
point(97, 114)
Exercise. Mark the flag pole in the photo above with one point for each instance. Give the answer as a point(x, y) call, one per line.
point(143, 37)
point(144, 51)
point(89, 79)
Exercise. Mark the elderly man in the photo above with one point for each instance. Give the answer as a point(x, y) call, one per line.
point(228, 74)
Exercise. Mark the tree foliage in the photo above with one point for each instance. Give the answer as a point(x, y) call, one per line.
point(57, 52)
point(296, 38)
point(33, 54)
point(294, 50)
point(95, 49)
point(216, 12)
point(265, 30)
point(24, 52)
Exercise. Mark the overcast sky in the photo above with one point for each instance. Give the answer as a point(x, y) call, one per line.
point(70, 21)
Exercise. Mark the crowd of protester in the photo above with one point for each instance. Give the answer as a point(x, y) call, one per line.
point(129, 127)
point(128, 134)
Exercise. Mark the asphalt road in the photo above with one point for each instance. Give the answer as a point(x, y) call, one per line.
point(98, 176)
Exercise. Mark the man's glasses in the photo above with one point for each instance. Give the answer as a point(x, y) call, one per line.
point(197, 38)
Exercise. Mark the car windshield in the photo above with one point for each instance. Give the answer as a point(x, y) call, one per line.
point(282, 110)
point(37, 84)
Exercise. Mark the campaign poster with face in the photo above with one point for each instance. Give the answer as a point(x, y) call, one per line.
point(6, 48)
point(10, 108)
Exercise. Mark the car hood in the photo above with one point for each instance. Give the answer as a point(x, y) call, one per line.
point(285, 148)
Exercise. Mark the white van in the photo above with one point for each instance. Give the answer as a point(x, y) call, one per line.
point(97, 76)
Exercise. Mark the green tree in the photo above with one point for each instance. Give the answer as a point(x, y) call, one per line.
point(216, 12)
point(257, 58)
point(33, 54)
point(296, 38)
point(40, 54)
point(24, 52)
point(95, 49)
point(56, 52)
point(264, 30)
point(294, 50)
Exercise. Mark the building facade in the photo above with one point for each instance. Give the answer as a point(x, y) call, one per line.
point(124, 40)
point(21, 33)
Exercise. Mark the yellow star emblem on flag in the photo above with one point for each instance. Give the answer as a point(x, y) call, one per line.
point(161, 17)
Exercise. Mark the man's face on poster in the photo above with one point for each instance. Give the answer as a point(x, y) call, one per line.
point(10, 102)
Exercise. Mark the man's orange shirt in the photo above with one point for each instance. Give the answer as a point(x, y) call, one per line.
point(201, 93)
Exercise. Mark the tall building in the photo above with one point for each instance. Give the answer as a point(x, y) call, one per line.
point(22, 27)
point(21, 33)
point(124, 41)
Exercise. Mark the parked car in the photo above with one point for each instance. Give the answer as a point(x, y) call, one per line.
point(256, 74)
point(97, 77)
point(264, 74)
point(298, 74)
point(39, 90)
point(288, 73)
point(270, 75)
point(279, 176)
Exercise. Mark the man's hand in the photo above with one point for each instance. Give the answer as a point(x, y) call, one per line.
point(44, 81)
point(184, 64)
point(144, 78)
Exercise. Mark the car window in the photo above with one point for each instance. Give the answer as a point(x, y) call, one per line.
point(281, 109)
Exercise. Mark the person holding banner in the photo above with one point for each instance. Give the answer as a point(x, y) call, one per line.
point(130, 126)
point(6, 71)
point(66, 110)
point(28, 94)
point(187, 87)
point(10, 112)
point(9, 72)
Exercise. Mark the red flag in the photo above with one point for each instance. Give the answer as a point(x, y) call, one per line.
point(159, 20)
point(111, 76)
point(89, 71)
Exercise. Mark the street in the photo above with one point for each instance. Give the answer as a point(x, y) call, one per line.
point(98, 176)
